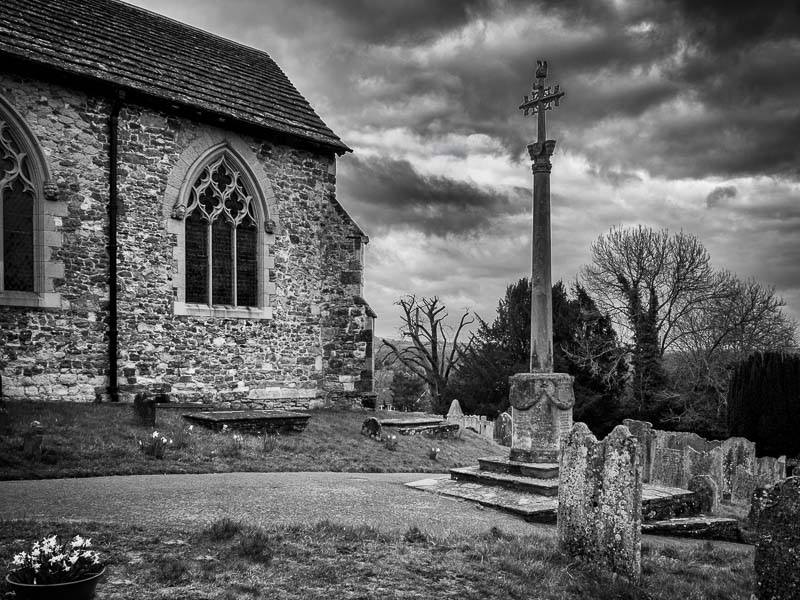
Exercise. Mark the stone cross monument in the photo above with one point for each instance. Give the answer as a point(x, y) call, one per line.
point(541, 401)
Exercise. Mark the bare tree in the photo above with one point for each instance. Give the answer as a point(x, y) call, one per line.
point(638, 273)
point(432, 355)
point(742, 317)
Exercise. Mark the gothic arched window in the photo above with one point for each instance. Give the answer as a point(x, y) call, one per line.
point(18, 203)
point(222, 238)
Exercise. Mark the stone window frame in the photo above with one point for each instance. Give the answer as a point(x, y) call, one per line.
point(47, 214)
point(199, 154)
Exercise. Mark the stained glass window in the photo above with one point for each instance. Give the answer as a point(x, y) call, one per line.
point(221, 238)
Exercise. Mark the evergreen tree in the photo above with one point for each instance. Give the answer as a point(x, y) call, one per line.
point(584, 345)
point(764, 403)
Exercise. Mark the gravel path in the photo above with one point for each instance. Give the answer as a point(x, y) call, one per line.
point(379, 500)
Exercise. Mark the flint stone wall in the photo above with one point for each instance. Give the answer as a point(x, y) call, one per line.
point(317, 345)
point(777, 557)
point(600, 499)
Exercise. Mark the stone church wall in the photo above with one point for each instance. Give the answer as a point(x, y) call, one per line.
point(317, 344)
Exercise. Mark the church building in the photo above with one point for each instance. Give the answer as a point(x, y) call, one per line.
point(168, 219)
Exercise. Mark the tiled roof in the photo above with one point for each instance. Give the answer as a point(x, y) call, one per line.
point(135, 49)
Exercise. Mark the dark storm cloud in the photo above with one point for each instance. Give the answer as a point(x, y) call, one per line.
point(719, 195)
point(388, 193)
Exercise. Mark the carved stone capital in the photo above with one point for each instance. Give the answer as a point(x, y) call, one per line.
point(50, 189)
point(526, 390)
point(541, 151)
point(178, 211)
point(542, 166)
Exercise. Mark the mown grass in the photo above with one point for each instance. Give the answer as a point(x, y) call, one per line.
point(84, 440)
point(228, 560)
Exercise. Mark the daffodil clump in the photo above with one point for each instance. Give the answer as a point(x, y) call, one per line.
point(155, 445)
point(52, 562)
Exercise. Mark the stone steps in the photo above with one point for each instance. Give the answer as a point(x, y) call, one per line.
point(501, 464)
point(532, 485)
point(543, 509)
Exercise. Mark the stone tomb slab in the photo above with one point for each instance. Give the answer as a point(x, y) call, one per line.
point(250, 421)
point(412, 421)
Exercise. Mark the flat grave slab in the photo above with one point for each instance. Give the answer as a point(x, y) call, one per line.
point(250, 421)
point(412, 421)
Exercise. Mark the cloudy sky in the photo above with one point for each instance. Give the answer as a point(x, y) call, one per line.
point(678, 114)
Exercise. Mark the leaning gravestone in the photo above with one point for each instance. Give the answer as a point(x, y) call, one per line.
point(600, 499)
point(777, 560)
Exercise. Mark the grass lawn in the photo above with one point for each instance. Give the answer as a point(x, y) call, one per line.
point(229, 560)
point(87, 440)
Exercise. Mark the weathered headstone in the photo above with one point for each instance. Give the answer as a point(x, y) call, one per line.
point(455, 410)
point(707, 492)
point(777, 559)
point(737, 451)
point(32, 440)
point(144, 407)
point(708, 462)
point(668, 468)
point(645, 435)
point(770, 470)
point(742, 485)
point(600, 499)
point(502, 429)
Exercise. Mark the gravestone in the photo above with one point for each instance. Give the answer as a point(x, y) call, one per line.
point(737, 451)
point(144, 407)
point(742, 485)
point(645, 435)
point(777, 559)
point(707, 492)
point(455, 411)
point(668, 468)
point(770, 470)
point(708, 462)
point(32, 440)
point(502, 429)
point(600, 499)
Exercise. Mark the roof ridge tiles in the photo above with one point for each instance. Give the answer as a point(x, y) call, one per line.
point(163, 58)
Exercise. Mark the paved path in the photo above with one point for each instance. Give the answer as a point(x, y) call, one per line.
point(380, 500)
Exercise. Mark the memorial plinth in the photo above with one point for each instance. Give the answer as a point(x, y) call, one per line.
point(541, 410)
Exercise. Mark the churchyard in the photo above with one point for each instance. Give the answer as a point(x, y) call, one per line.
point(230, 559)
point(82, 440)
